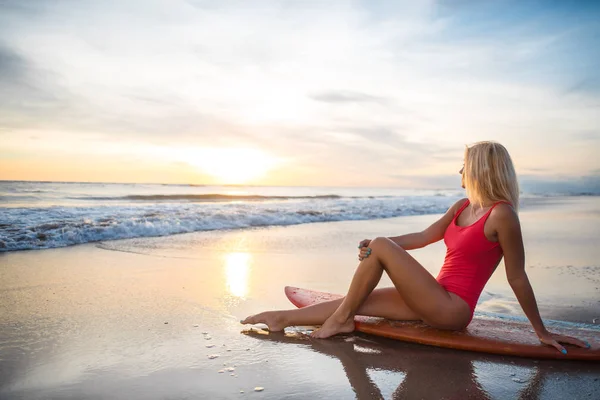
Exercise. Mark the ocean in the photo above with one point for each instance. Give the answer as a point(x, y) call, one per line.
point(41, 215)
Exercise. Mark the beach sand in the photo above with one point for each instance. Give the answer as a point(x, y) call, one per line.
point(141, 318)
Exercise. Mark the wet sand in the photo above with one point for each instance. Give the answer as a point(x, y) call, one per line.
point(140, 318)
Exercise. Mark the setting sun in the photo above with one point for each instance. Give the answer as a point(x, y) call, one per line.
point(230, 165)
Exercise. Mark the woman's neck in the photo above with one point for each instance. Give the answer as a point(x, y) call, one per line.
point(484, 205)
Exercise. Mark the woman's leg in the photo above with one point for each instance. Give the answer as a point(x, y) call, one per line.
point(418, 288)
point(385, 303)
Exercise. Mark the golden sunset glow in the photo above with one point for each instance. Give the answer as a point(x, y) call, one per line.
point(230, 165)
point(237, 267)
point(280, 111)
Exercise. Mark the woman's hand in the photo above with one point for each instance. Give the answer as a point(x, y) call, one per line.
point(552, 339)
point(364, 250)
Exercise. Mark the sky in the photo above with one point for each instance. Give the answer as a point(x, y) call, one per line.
point(273, 92)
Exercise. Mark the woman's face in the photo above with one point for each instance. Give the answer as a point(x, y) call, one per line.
point(462, 179)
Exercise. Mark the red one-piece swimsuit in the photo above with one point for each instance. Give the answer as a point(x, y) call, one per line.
point(470, 258)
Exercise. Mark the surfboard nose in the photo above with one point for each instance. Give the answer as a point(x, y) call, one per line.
point(290, 290)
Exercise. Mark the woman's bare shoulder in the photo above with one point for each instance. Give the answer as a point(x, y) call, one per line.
point(459, 203)
point(505, 215)
point(456, 206)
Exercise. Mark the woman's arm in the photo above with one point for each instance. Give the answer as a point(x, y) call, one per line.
point(511, 241)
point(430, 235)
point(510, 238)
point(417, 240)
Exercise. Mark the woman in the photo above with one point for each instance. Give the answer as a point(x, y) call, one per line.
point(478, 232)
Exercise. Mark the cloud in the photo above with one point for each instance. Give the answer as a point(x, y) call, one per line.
point(587, 136)
point(537, 170)
point(589, 84)
point(366, 86)
point(21, 81)
point(30, 95)
point(348, 97)
point(11, 65)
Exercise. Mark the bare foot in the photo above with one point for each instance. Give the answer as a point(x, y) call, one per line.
point(273, 319)
point(333, 326)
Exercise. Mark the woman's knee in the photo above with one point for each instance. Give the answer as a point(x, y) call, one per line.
point(385, 250)
point(381, 244)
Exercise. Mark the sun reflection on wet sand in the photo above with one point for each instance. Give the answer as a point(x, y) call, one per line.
point(237, 266)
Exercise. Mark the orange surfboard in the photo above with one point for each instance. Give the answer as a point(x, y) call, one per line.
point(485, 334)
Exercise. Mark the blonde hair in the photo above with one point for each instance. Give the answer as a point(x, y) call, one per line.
point(489, 174)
